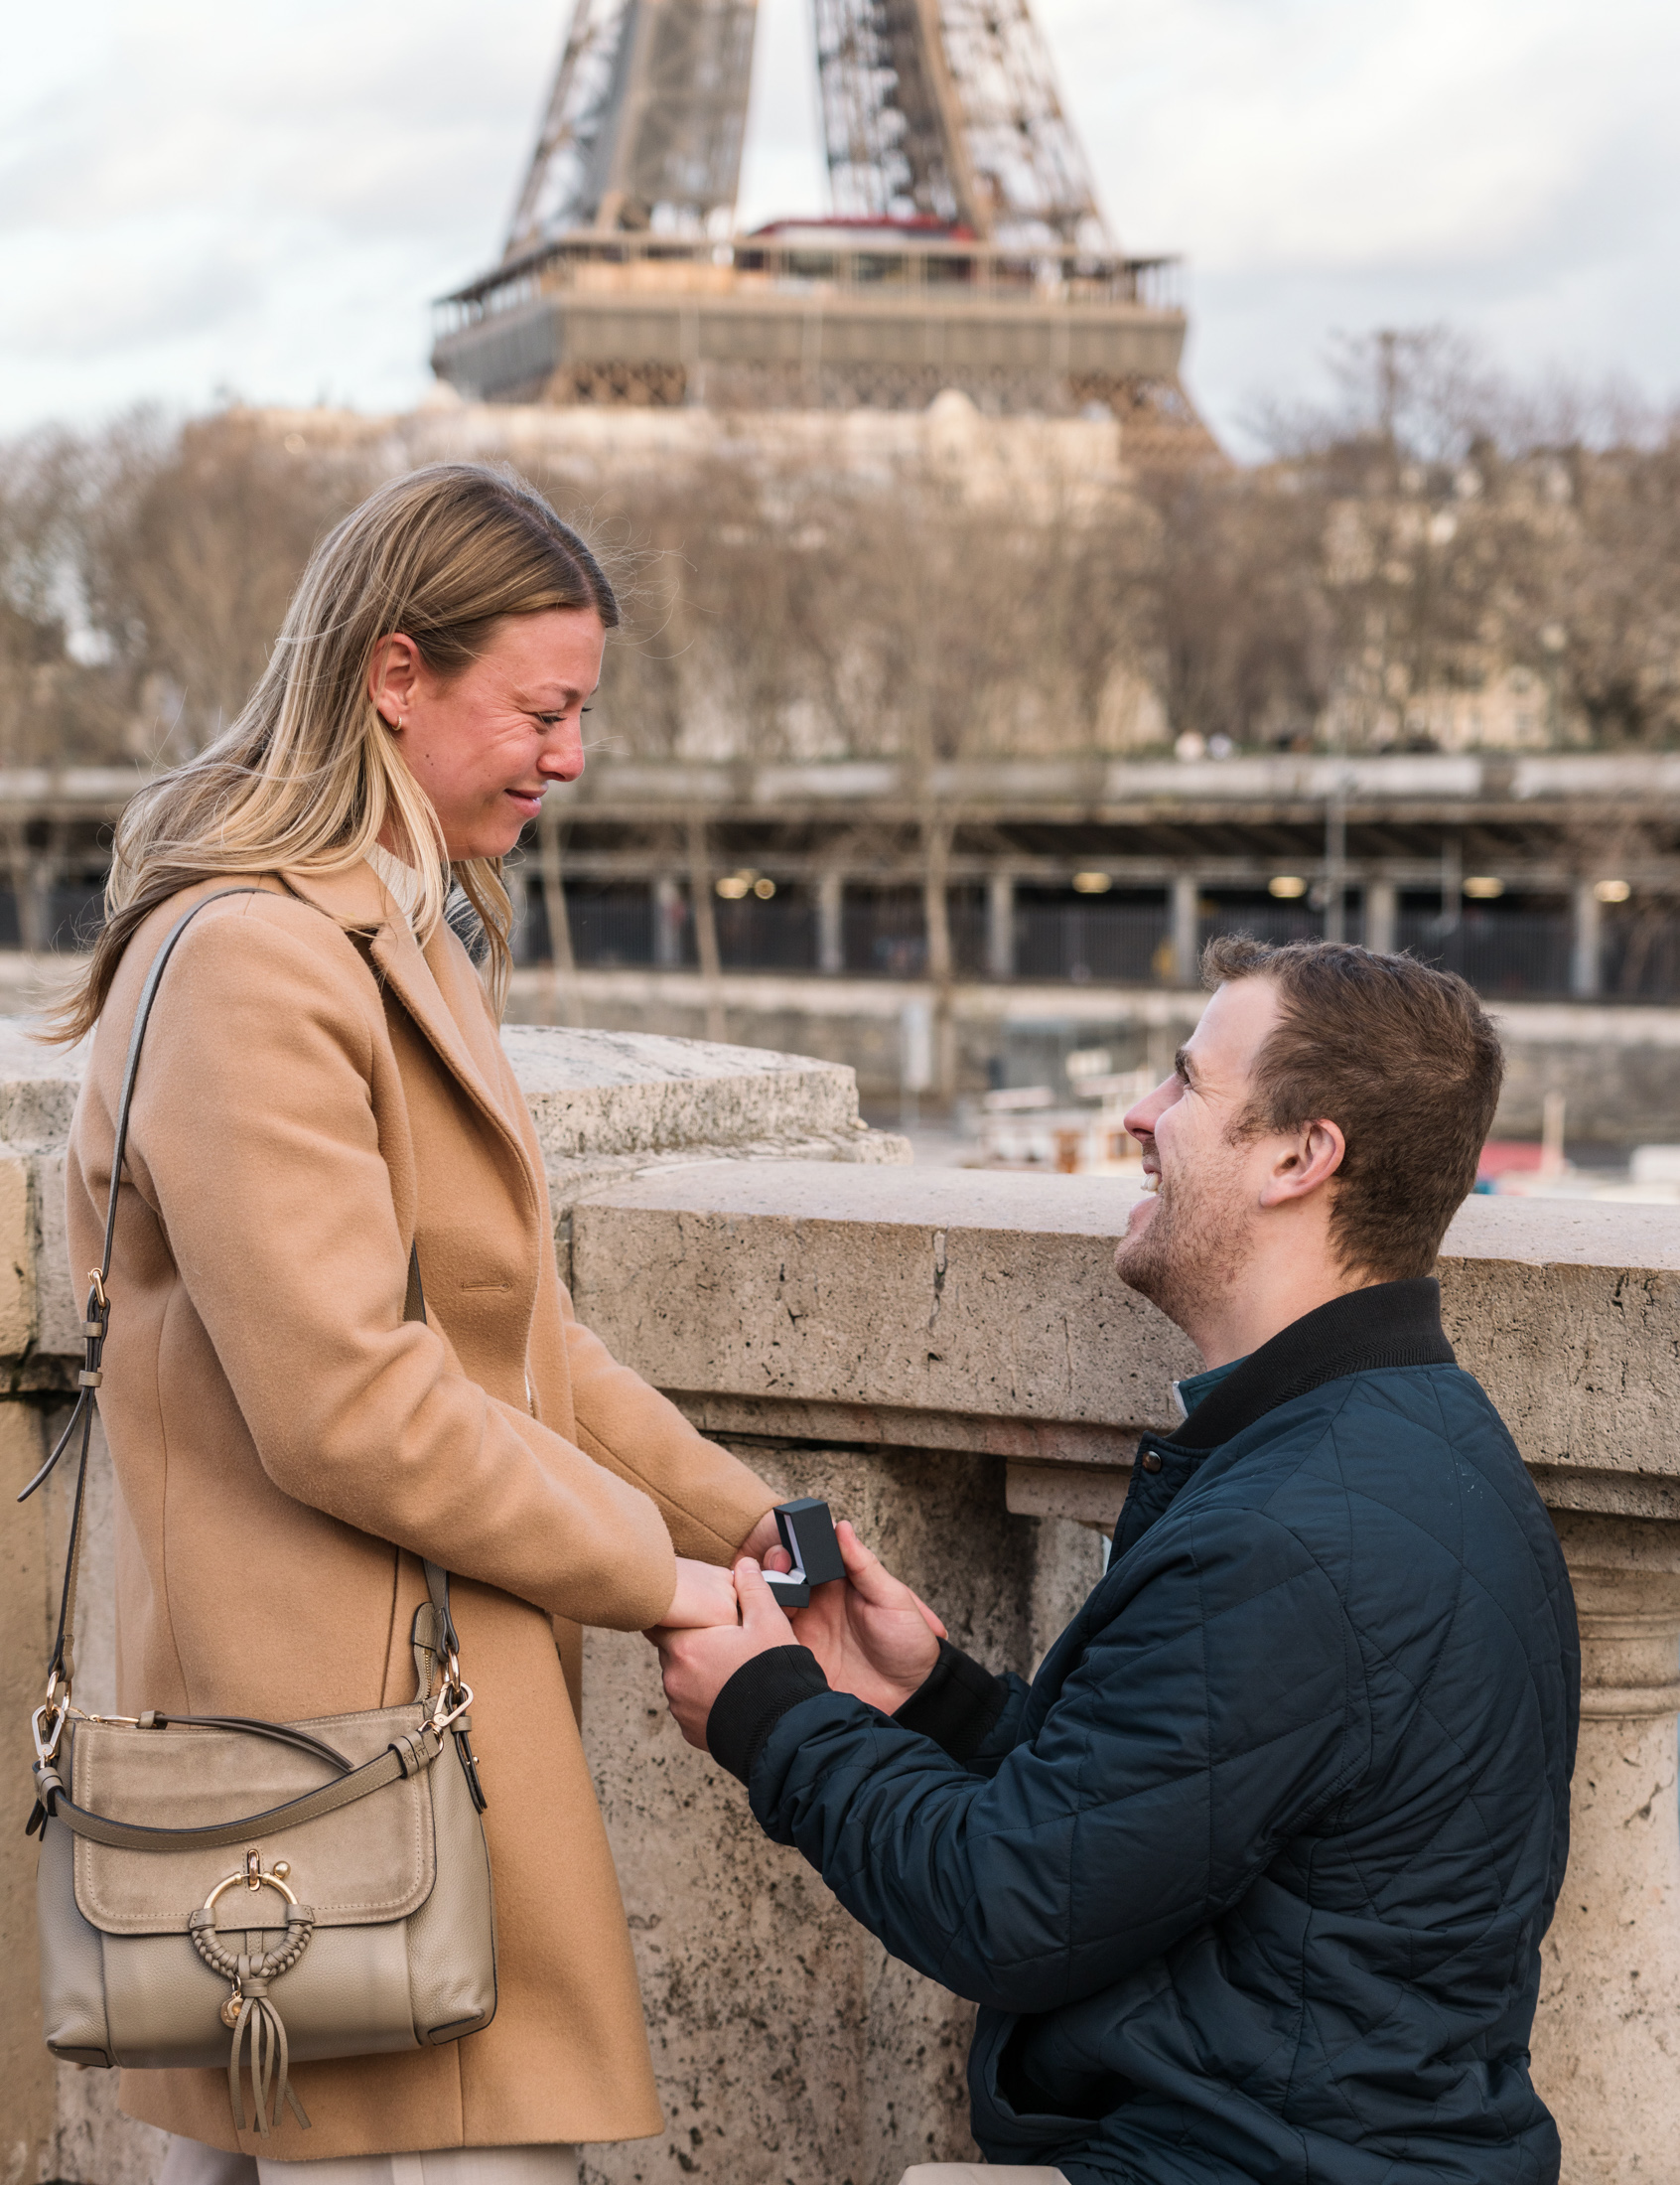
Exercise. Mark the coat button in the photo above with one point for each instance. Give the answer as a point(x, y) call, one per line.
point(1151, 1460)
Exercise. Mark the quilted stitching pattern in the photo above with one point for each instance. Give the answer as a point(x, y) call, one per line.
point(1251, 1882)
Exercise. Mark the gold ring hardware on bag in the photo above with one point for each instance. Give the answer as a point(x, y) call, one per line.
point(254, 1877)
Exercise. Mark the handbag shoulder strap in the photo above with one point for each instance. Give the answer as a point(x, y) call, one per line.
point(61, 1668)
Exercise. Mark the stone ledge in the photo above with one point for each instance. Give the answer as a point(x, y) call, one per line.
point(950, 1292)
point(608, 1108)
point(38, 1089)
point(888, 1427)
point(1088, 1494)
point(886, 1305)
point(597, 1095)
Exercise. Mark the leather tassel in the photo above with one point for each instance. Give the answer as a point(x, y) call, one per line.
point(263, 2026)
point(258, 2028)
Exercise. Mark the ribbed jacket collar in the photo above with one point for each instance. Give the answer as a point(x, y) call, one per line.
point(1389, 1324)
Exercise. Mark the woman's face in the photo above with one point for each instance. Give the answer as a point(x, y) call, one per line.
point(486, 745)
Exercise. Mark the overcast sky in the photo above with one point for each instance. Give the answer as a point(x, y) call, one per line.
point(198, 197)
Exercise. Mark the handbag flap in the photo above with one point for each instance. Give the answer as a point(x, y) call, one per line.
point(367, 1862)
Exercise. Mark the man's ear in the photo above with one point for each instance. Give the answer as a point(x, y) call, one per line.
point(1305, 1162)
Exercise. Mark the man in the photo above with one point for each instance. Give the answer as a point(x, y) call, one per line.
point(1250, 1883)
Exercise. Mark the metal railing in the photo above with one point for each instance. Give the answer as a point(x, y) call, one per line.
point(827, 259)
point(1506, 952)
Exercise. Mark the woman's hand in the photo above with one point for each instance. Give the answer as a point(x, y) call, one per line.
point(873, 1637)
point(704, 1595)
point(764, 1546)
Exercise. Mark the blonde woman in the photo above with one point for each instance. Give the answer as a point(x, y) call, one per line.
point(324, 1087)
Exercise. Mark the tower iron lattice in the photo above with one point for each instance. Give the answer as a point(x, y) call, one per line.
point(966, 247)
point(948, 109)
point(931, 109)
point(644, 121)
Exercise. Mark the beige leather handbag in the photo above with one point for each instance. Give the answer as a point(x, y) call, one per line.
point(215, 1891)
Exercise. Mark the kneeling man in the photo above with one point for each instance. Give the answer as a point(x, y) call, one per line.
point(1250, 1881)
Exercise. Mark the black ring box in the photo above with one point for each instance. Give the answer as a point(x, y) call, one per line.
point(807, 1532)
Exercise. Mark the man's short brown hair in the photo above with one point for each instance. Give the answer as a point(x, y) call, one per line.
point(1402, 1058)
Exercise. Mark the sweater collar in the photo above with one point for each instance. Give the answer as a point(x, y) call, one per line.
point(1388, 1324)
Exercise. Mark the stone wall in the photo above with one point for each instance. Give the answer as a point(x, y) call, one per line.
point(948, 1358)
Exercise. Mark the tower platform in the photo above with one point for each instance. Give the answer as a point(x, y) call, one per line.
point(824, 314)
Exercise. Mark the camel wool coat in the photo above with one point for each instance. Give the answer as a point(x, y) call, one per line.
point(314, 1092)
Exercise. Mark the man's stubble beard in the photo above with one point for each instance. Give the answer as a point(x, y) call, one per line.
point(1194, 1248)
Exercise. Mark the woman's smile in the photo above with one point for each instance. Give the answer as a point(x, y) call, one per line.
point(522, 698)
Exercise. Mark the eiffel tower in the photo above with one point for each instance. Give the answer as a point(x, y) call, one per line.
point(966, 247)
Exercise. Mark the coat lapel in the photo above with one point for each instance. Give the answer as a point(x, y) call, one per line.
point(425, 982)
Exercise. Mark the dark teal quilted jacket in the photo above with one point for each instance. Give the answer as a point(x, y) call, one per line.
point(1250, 1883)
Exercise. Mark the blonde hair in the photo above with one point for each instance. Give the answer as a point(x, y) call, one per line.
point(309, 776)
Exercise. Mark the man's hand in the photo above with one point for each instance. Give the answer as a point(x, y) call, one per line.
point(696, 1665)
point(871, 1633)
point(704, 1595)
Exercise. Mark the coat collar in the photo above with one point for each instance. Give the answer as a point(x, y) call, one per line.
point(425, 981)
point(353, 895)
point(1386, 1324)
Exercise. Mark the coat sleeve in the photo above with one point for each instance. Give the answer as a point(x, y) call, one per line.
point(255, 1137)
point(968, 1711)
point(709, 1499)
point(1213, 1714)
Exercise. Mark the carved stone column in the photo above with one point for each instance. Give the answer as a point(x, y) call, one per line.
point(1606, 2038)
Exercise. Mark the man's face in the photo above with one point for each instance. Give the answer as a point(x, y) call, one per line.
point(1192, 1240)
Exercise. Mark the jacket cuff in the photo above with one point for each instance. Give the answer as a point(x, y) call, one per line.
point(957, 1706)
point(754, 1700)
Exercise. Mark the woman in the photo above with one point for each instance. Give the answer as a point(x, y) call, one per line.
point(323, 1087)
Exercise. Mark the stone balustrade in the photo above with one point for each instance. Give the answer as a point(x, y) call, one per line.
point(950, 1357)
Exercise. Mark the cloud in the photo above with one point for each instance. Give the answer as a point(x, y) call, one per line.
point(267, 196)
point(133, 286)
point(1322, 166)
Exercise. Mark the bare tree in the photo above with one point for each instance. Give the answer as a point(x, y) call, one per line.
point(191, 545)
point(1427, 529)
